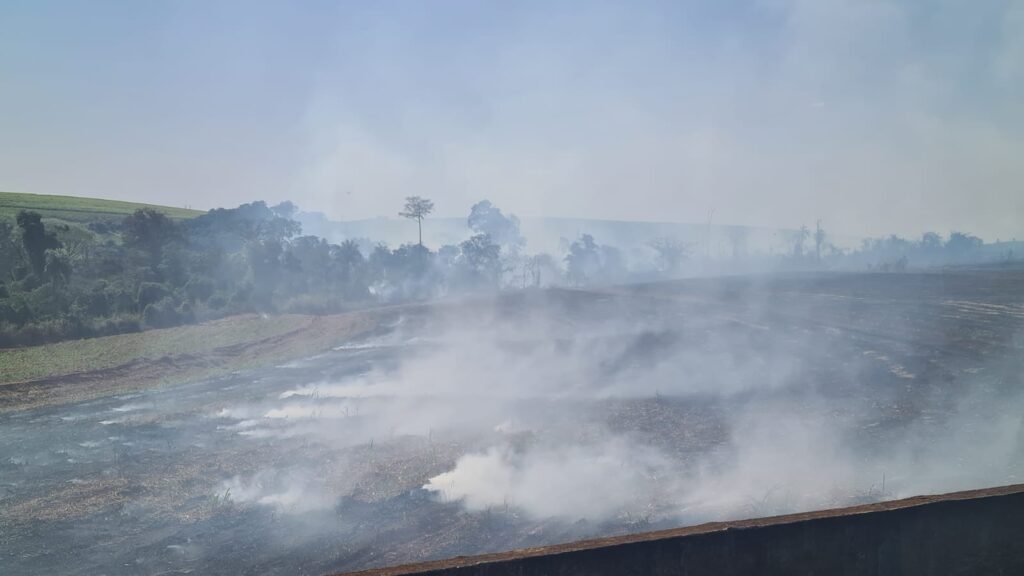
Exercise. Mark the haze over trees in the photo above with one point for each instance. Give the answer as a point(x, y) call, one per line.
point(591, 263)
point(671, 253)
point(486, 218)
point(149, 270)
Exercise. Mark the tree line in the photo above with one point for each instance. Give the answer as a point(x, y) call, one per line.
point(150, 271)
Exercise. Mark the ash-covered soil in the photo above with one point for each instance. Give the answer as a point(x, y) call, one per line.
point(534, 418)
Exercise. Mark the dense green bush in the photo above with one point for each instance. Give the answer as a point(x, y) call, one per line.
point(150, 293)
point(185, 313)
point(217, 302)
point(199, 289)
point(162, 314)
point(95, 304)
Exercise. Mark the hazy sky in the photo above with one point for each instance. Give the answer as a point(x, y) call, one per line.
point(874, 116)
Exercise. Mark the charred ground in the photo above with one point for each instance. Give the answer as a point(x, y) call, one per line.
point(314, 466)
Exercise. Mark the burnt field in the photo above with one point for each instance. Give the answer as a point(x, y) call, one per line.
point(535, 418)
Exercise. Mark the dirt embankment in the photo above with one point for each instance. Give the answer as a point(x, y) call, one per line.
point(172, 356)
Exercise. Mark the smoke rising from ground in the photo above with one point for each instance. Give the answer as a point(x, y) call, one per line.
point(611, 409)
point(522, 419)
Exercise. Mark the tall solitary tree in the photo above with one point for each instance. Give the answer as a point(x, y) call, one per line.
point(417, 209)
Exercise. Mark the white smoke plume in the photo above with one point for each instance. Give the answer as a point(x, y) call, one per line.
point(634, 410)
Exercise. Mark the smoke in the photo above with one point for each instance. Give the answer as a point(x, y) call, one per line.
point(877, 117)
point(290, 491)
point(662, 408)
point(569, 482)
point(779, 458)
point(853, 112)
point(536, 416)
point(772, 463)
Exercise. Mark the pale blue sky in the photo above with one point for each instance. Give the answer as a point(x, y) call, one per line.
point(875, 116)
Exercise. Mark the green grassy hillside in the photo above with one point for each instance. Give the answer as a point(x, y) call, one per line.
point(79, 210)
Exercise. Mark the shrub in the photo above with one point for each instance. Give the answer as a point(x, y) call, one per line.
point(150, 293)
point(161, 314)
point(217, 301)
point(122, 301)
point(94, 303)
point(117, 325)
point(186, 314)
point(241, 300)
point(199, 289)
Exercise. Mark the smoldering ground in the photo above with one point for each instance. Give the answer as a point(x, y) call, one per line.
point(533, 418)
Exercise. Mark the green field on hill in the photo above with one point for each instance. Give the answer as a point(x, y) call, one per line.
point(81, 210)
